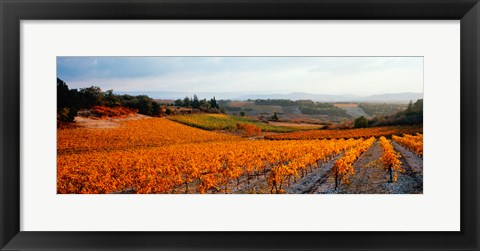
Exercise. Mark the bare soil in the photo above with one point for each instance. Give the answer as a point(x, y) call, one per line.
point(319, 181)
point(94, 122)
point(412, 179)
point(370, 176)
point(346, 105)
point(414, 162)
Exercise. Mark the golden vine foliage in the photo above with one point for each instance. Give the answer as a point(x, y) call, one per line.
point(133, 134)
point(390, 159)
point(348, 133)
point(113, 112)
point(343, 167)
point(187, 168)
point(250, 130)
point(161, 156)
point(412, 142)
point(300, 163)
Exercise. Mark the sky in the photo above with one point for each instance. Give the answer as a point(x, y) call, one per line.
point(360, 76)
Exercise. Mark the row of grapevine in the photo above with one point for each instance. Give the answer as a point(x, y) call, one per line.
point(161, 156)
point(343, 167)
point(187, 168)
point(347, 133)
point(390, 159)
point(113, 112)
point(282, 173)
point(153, 132)
point(412, 142)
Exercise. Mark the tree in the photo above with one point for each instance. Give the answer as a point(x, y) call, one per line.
point(111, 99)
point(274, 116)
point(92, 96)
point(195, 102)
point(204, 103)
point(63, 94)
point(418, 106)
point(213, 103)
point(242, 113)
point(156, 108)
point(145, 105)
point(186, 102)
point(178, 102)
point(66, 102)
point(360, 122)
point(66, 114)
point(409, 108)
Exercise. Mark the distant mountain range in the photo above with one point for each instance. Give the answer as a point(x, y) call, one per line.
point(404, 97)
point(388, 97)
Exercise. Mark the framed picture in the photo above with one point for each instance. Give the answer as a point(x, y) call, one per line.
point(239, 125)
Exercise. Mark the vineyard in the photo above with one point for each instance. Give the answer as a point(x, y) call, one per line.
point(349, 133)
point(343, 167)
point(157, 155)
point(225, 122)
point(197, 167)
point(414, 143)
point(135, 134)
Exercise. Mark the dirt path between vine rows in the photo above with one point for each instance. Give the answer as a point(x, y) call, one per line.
point(412, 179)
point(319, 181)
point(370, 176)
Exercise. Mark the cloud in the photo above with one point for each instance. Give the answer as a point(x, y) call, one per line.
point(328, 75)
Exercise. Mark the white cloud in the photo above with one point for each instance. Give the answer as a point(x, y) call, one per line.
point(322, 75)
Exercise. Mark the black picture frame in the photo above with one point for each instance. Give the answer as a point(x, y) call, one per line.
point(13, 11)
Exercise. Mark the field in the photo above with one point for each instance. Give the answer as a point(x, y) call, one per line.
point(352, 109)
point(224, 122)
point(286, 111)
point(263, 109)
point(144, 133)
point(159, 155)
point(381, 109)
point(348, 133)
point(300, 126)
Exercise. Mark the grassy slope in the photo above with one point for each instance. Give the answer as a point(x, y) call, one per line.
point(221, 122)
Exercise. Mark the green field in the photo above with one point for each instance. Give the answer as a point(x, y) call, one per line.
point(224, 122)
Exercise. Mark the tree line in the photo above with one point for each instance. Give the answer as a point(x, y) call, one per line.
point(70, 101)
point(308, 107)
point(381, 109)
point(197, 103)
point(410, 116)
